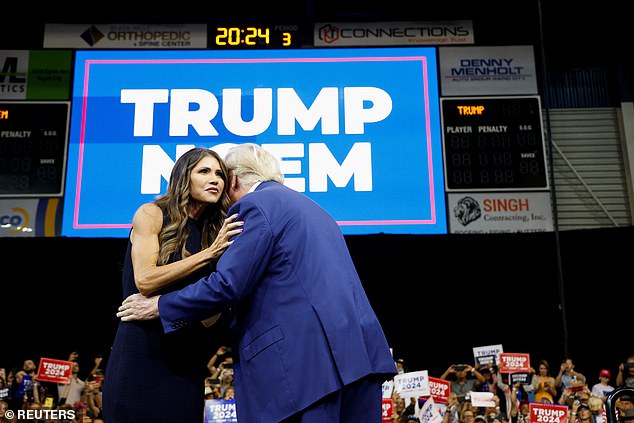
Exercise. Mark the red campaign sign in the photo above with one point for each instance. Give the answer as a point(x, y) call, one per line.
point(51, 370)
point(439, 390)
point(515, 363)
point(548, 413)
point(387, 410)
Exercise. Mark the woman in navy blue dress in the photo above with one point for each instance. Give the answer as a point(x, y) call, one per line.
point(152, 377)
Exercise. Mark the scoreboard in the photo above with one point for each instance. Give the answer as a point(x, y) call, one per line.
point(493, 144)
point(33, 141)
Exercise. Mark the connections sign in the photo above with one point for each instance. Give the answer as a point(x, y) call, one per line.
point(356, 130)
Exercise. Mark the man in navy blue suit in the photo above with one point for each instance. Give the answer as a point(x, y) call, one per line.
point(309, 348)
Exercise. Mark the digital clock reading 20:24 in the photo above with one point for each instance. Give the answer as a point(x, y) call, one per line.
point(274, 36)
point(493, 144)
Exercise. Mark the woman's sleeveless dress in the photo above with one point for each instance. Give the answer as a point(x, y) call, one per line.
point(152, 377)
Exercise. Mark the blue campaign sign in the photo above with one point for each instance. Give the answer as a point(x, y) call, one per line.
point(356, 130)
point(220, 411)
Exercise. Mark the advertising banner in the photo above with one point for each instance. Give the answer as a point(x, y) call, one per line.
point(508, 212)
point(487, 70)
point(35, 75)
point(132, 36)
point(367, 34)
point(30, 217)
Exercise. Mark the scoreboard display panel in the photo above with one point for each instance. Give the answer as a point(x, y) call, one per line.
point(33, 141)
point(493, 144)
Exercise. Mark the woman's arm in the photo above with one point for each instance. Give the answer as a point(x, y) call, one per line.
point(619, 376)
point(148, 276)
point(514, 410)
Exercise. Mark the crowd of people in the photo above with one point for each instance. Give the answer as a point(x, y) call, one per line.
point(21, 390)
point(583, 395)
point(79, 400)
point(286, 284)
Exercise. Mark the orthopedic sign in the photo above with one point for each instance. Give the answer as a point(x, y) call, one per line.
point(356, 130)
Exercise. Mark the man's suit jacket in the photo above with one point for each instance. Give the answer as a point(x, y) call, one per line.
point(303, 322)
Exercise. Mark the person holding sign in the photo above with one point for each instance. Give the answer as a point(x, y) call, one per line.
point(309, 348)
point(174, 241)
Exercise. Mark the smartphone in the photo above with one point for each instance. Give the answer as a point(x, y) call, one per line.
point(95, 378)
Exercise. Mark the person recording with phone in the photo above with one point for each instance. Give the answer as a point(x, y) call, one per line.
point(625, 376)
point(461, 384)
point(223, 354)
point(544, 384)
point(568, 375)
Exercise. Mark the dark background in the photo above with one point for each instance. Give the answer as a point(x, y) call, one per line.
point(437, 296)
point(570, 33)
point(548, 294)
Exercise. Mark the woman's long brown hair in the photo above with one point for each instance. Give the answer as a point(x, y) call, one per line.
point(173, 235)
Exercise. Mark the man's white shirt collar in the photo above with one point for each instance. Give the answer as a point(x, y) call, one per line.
point(254, 186)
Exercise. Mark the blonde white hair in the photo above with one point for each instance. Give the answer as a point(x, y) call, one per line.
point(251, 163)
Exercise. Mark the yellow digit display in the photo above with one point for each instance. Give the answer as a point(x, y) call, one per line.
point(250, 38)
point(286, 39)
point(221, 36)
point(253, 36)
point(263, 34)
point(234, 36)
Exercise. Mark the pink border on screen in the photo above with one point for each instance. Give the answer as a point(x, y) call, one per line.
point(422, 59)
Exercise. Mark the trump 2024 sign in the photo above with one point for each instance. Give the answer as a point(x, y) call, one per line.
point(356, 130)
